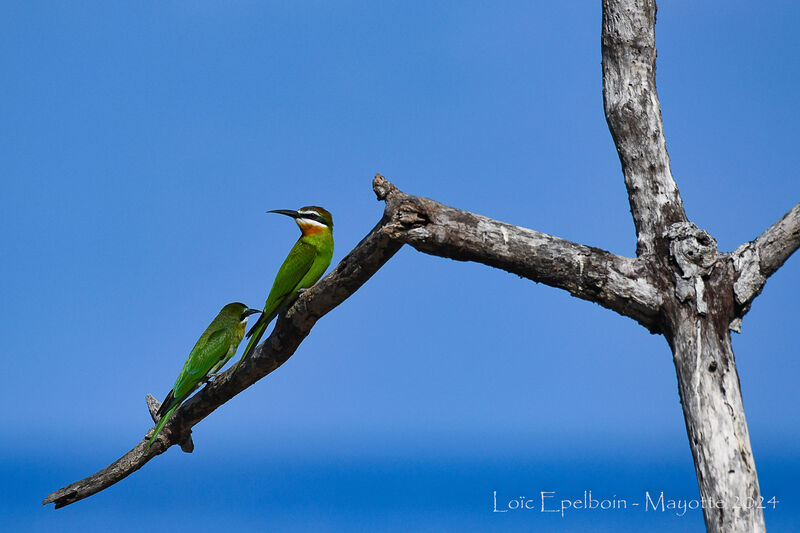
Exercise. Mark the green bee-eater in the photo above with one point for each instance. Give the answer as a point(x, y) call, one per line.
point(213, 349)
point(307, 261)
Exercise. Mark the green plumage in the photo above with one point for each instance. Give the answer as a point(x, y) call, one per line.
point(307, 261)
point(213, 349)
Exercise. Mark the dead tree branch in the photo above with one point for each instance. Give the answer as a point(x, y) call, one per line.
point(757, 260)
point(633, 114)
point(353, 271)
point(619, 283)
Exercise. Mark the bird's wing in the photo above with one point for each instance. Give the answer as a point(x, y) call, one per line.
point(292, 271)
point(205, 354)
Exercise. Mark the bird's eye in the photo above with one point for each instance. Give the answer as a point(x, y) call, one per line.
point(315, 217)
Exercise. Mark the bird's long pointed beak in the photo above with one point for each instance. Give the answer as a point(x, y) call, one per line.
point(251, 312)
point(287, 212)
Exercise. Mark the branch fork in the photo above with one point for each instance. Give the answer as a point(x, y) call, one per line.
point(694, 252)
point(679, 285)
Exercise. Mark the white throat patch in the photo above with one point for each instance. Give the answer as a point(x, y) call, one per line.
point(309, 222)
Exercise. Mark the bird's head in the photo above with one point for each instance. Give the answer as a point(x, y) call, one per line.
point(311, 219)
point(239, 311)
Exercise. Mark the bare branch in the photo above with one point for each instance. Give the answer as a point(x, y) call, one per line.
point(353, 271)
point(633, 114)
point(779, 241)
point(618, 283)
point(757, 260)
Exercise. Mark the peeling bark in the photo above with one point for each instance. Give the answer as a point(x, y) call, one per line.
point(696, 326)
point(755, 261)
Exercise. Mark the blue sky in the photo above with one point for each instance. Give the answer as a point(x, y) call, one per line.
point(141, 145)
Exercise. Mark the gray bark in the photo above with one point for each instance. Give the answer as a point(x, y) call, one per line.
point(755, 261)
point(696, 325)
point(619, 283)
point(679, 285)
point(704, 293)
point(712, 406)
point(633, 114)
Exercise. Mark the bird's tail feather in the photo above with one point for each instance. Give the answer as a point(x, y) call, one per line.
point(162, 422)
point(257, 331)
point(255, 326)
point(255, 334)
point(165, 404)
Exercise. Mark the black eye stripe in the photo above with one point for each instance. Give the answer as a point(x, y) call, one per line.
point(313, 216)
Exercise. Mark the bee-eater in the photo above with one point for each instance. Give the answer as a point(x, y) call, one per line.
point(307, 261)
point(213, 349)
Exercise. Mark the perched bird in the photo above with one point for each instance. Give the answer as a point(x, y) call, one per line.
point(307, 261)
point(213, 349)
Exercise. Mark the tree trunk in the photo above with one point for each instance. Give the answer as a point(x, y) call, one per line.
point(716, 425)
point(697, 321)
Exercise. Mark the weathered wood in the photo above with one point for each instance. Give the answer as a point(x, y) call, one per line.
point(633, 114)
point(697, 319)
point(619, 283)
point(757, 260)
point(697, 312)
point(715, 422)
